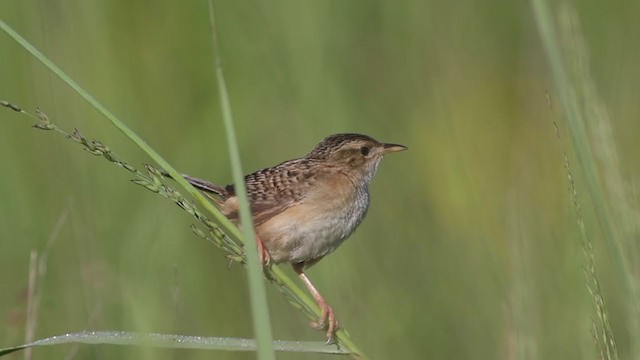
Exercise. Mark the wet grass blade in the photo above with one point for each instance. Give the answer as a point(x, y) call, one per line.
point(174, 342)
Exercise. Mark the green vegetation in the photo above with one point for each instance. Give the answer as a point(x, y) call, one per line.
point(471, 249)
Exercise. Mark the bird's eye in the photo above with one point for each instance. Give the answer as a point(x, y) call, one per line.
point(364, 151)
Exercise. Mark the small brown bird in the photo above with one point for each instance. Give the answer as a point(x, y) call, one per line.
point(303, 209)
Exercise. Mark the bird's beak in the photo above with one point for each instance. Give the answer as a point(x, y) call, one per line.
point(388, 148)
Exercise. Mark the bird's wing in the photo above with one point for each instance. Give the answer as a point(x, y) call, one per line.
point(273, 190)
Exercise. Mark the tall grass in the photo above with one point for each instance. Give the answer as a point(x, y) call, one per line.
point(568, 59)
point(471, 247)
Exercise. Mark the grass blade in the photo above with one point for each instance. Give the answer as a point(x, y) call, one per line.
point(257, 290)
point(174, 342)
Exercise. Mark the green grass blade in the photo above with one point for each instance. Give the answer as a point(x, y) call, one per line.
point(175, 342)
point(257, 290)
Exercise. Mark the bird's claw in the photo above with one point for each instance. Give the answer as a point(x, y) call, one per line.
point(327, 320)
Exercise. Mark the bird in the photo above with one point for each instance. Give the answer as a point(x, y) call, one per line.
point(304, 209)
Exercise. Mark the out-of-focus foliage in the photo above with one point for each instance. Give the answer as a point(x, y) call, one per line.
point(470, 249)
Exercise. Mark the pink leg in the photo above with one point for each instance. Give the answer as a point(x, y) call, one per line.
point(265, 257)
point(328, 317)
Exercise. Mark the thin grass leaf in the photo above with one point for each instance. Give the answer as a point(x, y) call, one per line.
point(173, 341)
point(257, 290)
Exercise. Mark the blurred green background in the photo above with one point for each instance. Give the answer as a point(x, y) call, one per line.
point(471, 248)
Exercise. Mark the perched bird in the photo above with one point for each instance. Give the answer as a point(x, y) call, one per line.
point(303, 209)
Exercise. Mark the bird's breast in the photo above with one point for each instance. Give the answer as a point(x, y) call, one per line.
point(316, 226)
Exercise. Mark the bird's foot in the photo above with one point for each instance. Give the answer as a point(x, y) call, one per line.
point(327, 321)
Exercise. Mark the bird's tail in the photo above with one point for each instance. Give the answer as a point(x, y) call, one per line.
point(203, 185)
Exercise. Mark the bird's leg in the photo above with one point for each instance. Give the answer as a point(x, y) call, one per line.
point(328, 317)
point(265, 257)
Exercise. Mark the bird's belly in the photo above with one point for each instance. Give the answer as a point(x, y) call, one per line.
point(308, 232)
